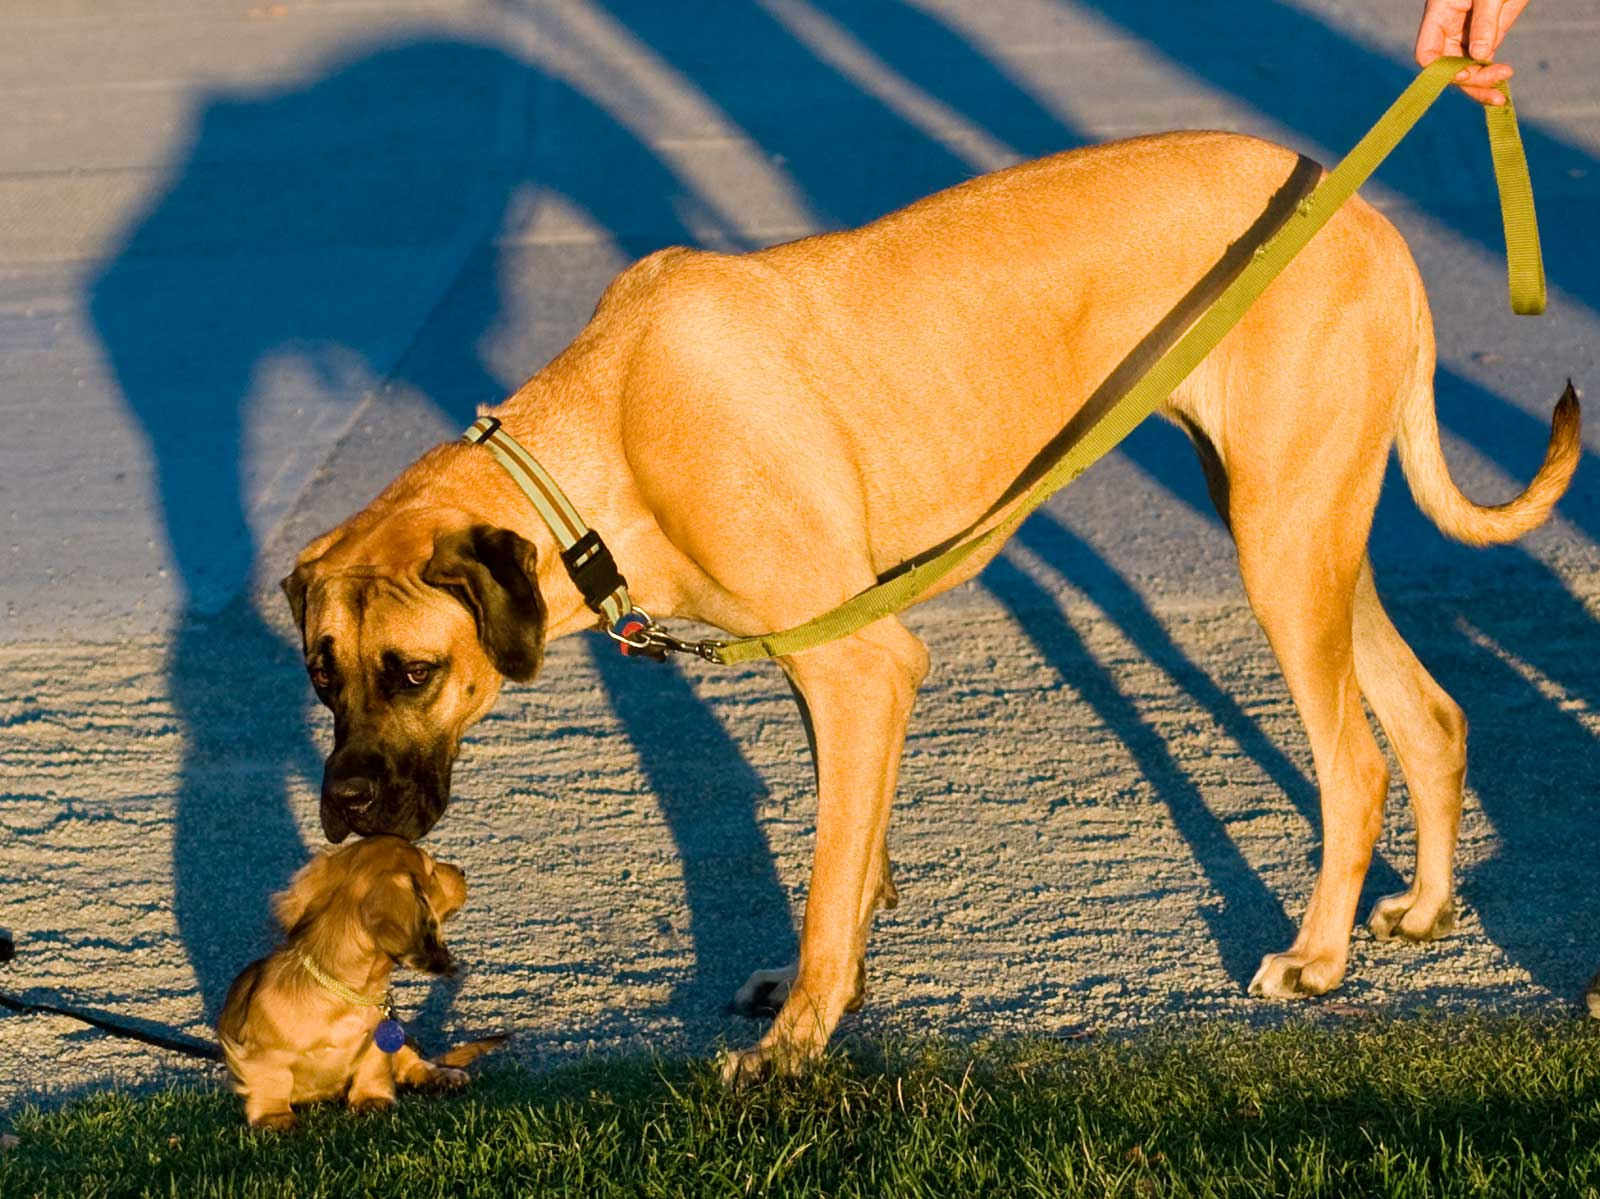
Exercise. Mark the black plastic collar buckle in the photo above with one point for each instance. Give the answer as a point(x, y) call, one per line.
point(594, 570)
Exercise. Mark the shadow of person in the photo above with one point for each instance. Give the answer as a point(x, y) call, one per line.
point(739, 916)
point(313, 241)
point(1249, 916)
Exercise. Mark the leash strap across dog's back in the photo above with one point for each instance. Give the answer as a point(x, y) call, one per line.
point(588, 561)
point(1527, 288)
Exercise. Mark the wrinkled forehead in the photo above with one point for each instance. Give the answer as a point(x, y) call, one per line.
point(365, 614)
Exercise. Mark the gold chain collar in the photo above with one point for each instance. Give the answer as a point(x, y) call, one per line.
point(329, 983)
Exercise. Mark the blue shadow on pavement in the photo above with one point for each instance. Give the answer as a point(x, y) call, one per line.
point(1249, 921)
point(320, 223)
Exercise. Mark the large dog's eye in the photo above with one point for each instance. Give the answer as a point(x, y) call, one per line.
point(418, 673)
point(320, 678)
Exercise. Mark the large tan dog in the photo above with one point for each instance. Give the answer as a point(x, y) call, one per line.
point(759, 437)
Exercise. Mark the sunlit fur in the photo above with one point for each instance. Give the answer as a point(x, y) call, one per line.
point(355, 911)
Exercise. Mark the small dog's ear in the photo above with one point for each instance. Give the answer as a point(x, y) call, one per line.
point(491, 571)
point(446, 888)
point(306, 890)
point(396, 915)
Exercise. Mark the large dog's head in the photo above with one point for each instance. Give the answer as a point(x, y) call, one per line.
point(409, 623)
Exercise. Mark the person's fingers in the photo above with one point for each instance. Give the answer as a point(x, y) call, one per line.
point(1484, 28)
point(1472, 28)
point(1485, 76)
point(1443, 23)
point(1509, 15)
point(1481, 82)
point(1491, 96)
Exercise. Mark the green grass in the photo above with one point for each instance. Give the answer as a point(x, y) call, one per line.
point(1410, 1107)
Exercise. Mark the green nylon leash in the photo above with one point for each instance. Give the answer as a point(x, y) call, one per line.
point(1527, 290)
point(605, 591)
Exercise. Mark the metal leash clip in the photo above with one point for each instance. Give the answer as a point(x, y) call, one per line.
point(638, 635)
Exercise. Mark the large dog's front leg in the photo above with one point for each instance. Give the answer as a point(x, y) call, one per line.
point(858, 693)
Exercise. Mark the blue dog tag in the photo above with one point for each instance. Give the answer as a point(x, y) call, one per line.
point(390, 1036)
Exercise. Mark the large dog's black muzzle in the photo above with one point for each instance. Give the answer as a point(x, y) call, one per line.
point(368, 791)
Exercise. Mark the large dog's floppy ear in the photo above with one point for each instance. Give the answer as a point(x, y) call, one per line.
point(491, 571)
point(294, 590)
point(298, 581)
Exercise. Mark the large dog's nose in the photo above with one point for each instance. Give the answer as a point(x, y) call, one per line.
point(350, 780)
point(353, 795)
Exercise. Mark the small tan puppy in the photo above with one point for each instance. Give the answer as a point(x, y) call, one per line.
point(300, 1024)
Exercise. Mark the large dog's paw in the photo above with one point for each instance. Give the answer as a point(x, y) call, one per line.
point(764, 993)
point(1592, 997)
point(741, 1068)
point(1403, 916)
point(1295, 976)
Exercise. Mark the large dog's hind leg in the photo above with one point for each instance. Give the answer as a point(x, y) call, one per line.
point(858, 693)
point(1300, 552)
point(1429, 734)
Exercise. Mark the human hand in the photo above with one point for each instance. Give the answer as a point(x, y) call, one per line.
point(1474, 28)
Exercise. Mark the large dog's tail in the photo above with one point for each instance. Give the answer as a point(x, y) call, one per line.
point(1417, 439)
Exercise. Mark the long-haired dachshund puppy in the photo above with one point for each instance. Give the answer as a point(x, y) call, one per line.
point(308, 1021)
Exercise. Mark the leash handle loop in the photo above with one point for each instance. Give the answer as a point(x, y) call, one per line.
point(1525, 274)
point(1524, 261)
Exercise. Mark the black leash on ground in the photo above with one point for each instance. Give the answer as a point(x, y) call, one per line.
point(178, 1044)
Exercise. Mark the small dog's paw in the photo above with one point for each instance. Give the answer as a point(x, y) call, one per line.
point(368, 1104)
point(448, 1078)
point(282, 1121)
point(1295, 976)
point(1403, 917)
point(1592, 997)
point(763, 993)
